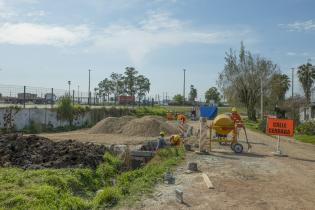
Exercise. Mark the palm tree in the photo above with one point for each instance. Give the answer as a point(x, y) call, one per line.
point(306, 74)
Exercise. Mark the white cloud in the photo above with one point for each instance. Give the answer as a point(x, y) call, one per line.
point(308, 25)
point(40, 34)
point(159, 30)
point(39, 13)
point(291, 53)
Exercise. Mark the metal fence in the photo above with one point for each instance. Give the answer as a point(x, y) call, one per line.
point(27, 95)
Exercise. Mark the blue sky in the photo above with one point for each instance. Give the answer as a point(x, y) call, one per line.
point(46, 43)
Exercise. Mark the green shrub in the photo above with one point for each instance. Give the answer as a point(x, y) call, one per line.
point(33, 128)
point(65, 109)
point(112, 160)
point(108, 197)
point(307, 128)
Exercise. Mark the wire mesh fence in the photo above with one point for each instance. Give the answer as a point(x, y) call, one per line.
point(28, 96)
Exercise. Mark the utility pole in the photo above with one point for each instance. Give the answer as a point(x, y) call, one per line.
point(69, 83)
point(261, 99)
point(78, 94)
point(292, 82)
point(89, 99)
point(184, 85)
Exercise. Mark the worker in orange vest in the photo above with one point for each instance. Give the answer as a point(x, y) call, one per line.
point(236, 117)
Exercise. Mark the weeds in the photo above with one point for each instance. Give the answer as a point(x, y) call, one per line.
point(82, 188)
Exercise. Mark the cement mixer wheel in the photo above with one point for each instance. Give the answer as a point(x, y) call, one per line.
point(237, 148)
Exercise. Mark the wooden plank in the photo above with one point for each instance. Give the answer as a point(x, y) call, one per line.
point(207, 181)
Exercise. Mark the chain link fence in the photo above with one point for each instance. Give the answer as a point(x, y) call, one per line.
point(27, 96)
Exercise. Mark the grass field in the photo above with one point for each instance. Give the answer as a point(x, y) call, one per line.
point(305, 138)
point(82, 188)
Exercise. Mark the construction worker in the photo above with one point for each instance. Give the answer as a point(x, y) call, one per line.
point(181, 118)
point(235, 116)
point(175, 140)
point(161, 141)
point(193, 113)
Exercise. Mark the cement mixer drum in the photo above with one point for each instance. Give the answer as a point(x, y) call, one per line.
point(223, 124)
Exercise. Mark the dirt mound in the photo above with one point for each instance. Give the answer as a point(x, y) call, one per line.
point(38, 152)
point(111, 125)
point(148, 126)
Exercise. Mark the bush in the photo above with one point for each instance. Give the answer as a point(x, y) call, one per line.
point(65, 109)
point(33, 128)
point(307, 128)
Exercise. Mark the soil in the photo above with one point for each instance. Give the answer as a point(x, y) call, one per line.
point(251, 180)
point(38, 152)
point(83, 135)
point(148, 126)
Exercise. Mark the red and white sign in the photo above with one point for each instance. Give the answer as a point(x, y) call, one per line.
point(280, 127)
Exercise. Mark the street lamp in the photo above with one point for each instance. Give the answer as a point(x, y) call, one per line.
point(69, 83)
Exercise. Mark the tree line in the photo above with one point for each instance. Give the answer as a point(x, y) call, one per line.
point(130, 83)
point(248, 78)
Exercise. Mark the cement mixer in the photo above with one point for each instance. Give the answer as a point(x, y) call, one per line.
point(222, 126)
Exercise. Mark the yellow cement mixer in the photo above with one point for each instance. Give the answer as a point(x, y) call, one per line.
point(220, 129)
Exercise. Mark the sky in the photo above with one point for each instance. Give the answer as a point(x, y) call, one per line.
point(46, 43)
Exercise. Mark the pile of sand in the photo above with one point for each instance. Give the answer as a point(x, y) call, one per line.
point(130, 126)
point(111, 125)
point(148, 126)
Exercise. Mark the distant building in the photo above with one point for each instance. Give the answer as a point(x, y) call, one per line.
point(123, 100)
point(28, 96)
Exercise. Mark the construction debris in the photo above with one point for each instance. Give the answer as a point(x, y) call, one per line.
point(169, 178)
point(179, 196)
point(192, 166)
point(207, 181)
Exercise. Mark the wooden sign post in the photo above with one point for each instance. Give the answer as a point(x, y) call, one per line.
point(279, 127)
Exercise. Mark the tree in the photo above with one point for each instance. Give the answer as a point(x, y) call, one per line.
point(143, 86)
point(306, 75)
point(278, 85)
point(65, 109)
point(105, 88)
point(212, 94)
point(179, 99)
point(130, 81)
point(192, 94)
point(241, 78)
point(117, 84)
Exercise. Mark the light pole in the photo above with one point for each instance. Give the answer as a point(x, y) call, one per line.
point(89, 99)
point(78, 94)
point(69, 83)
point(261, 99)
point(184, 86)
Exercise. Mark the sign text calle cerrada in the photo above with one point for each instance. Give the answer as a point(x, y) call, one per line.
point(279, 127)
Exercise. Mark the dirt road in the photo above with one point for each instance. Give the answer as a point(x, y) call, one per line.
point(84, 136)
point(255, 180)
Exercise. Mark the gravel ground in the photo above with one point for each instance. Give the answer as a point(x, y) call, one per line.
point(254, 180)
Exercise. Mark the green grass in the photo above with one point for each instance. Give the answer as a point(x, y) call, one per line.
point(305, 138)
point(156, 110)
point(82, 188)
point(181, 109)
point(254, 126)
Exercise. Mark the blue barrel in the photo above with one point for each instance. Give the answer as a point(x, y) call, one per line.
point(209, 112)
